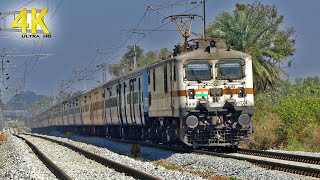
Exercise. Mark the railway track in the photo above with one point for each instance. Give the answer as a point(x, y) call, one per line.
point(61, 174)
point(296, 164)
point(283, 156)
point(58, 172)
point(290, 165)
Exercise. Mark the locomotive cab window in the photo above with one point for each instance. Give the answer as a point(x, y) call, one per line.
point(198, 70)
point(230, 69)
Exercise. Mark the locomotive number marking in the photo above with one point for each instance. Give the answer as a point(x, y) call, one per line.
point(241, 103)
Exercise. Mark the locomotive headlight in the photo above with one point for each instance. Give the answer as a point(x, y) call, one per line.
point(192, 121)
point(191, 94)
point(241, 92)
point(244, 119)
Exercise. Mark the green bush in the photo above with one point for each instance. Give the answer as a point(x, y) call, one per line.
point(69, 135)
point(135, 150)
point(288, 116)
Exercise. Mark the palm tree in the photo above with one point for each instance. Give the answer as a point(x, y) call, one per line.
point(255, 29)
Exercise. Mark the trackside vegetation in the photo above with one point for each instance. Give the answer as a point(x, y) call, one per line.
point(288, 116)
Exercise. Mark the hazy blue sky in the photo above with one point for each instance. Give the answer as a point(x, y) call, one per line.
point(79, 27)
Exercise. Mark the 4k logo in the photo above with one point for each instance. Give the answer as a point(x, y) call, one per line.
point(35, 21)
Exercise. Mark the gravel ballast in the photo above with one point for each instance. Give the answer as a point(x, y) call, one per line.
point(188, 162)
point(75, 165)
point(147, 167)
point(17, 161)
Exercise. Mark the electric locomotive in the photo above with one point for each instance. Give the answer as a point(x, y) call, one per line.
point(202, 95)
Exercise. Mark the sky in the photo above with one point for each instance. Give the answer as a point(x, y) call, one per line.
point(78, 28)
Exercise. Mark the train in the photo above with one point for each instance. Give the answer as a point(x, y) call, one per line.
point(200, 96)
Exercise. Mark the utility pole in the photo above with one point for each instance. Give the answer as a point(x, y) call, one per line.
point(1, 91)
point(204, 17)
point(104, 71)
point(135, 57)
point(2, 74)
point(1, 101)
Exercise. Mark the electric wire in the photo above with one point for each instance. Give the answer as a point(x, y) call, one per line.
point(140, 39)
point(75, 79)
point(17, 9)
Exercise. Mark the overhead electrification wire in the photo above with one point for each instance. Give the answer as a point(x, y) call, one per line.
point(17, 9)
point(136, 26)
point(140, 39)
point(162, 6)
point(122, 45)
point(116, 49)
point(56, 9)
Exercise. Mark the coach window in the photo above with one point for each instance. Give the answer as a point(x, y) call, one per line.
point(165, 78)
point(174, 72)
point(154, 79)
point(149, 98)
point(148, 77)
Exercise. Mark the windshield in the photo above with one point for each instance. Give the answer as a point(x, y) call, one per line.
point(198, 71)
point(232, 70)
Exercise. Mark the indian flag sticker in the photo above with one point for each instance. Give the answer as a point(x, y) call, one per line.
point(202, 92)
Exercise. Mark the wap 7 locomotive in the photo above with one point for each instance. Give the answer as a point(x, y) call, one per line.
point(201, 96)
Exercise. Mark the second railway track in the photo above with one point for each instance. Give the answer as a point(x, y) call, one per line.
point(71, 162)
point(296, 164)
point(290, 166)
point(283, 156)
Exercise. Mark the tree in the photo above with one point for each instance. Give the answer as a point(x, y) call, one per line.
point(256, 29)
point(164, 53)
point(149, 58)
point(126, 62)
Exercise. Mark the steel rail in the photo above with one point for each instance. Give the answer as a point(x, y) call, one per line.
point(282, 156)
point(59, 173)
point(107, 162)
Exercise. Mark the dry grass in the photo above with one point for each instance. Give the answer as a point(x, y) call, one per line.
point(3, 138)
point(316, 138)
point(265, 136)
point(204, 174)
